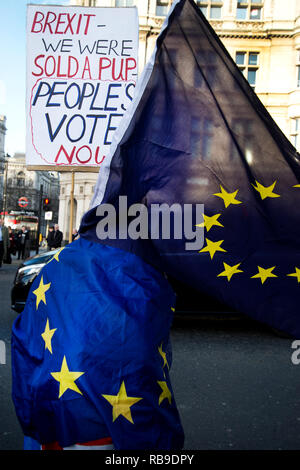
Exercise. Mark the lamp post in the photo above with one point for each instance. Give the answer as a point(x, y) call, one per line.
point(39, 219)
point(4, 198)
point(5, 184)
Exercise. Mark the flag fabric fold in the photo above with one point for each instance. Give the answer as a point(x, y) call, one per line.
point(91, 352)
point(198, 134)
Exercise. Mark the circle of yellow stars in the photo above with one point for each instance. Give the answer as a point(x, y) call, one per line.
point(212, 247)
point(121, 402)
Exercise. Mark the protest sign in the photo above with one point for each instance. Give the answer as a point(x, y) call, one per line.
point(81, 74)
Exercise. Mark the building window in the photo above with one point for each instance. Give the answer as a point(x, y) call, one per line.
point(207, 68)
point(298, 68)
point(295, 134)
point(124, 3)
point(162, 7)
point(248, 63)
point(212, 9)
point(21, 179)
point(249, 9)
point(89, 3)
point(244, 135)
point(201, 137)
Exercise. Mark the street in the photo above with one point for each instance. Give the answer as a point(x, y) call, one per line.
point(234, 382)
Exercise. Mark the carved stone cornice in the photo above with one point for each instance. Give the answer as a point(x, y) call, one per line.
point(253, 35)
point(157, 21)
point(249, 25)
point(217, 25)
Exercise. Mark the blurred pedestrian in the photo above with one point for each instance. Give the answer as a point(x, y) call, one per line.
point(27, 244)
point(58, 236)
point(11, 247)
point(4, 242)
point(50, 238)
point(74, 234)
point(22, 237)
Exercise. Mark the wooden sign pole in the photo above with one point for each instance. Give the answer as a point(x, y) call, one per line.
point(71, 206)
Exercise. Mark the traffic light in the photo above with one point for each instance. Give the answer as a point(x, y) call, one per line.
point(46, 204)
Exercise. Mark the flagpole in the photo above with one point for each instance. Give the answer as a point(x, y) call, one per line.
point(71, 206)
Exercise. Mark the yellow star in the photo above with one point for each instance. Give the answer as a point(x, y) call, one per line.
point(66, 378)
point(165, 392)
point(296, 274)
point(209, 222)
point(212, 247)
point(263, 274)
point(56, 256)
point(40, 292)
point(265, 191)
point(121, 403)
point(163, 355)
point(228, 198)
point(229, 271)
point(47, 336)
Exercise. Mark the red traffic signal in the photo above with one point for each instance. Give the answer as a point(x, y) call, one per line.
point(46, 204)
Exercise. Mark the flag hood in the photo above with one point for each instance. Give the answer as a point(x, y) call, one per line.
point(198, 134)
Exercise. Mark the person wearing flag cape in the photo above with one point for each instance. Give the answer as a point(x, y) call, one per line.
point(91, 352)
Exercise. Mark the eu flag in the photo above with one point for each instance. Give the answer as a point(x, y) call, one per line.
point(91, 353)
point(198, 134)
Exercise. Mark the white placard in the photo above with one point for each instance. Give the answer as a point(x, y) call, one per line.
point(81, 74)
point(48, 215)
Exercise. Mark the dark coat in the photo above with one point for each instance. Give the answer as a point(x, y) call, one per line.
point(50, 239)
point(5, 239)
point(57, 238)
point(19, 237)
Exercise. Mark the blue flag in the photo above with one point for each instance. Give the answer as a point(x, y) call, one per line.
point(91, 352)
point(198, 134)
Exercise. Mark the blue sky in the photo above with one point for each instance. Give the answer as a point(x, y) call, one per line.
point(13, 69)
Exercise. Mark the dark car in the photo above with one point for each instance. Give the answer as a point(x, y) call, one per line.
point(188, 299)
point(25, 276)
point(192, 301)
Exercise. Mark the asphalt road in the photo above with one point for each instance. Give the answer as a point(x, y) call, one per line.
point(234, 383)
point(236, 387)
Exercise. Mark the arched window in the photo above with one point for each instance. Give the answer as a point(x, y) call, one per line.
point(21, 179)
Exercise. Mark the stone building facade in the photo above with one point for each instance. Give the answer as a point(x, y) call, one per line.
point(20, 182)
